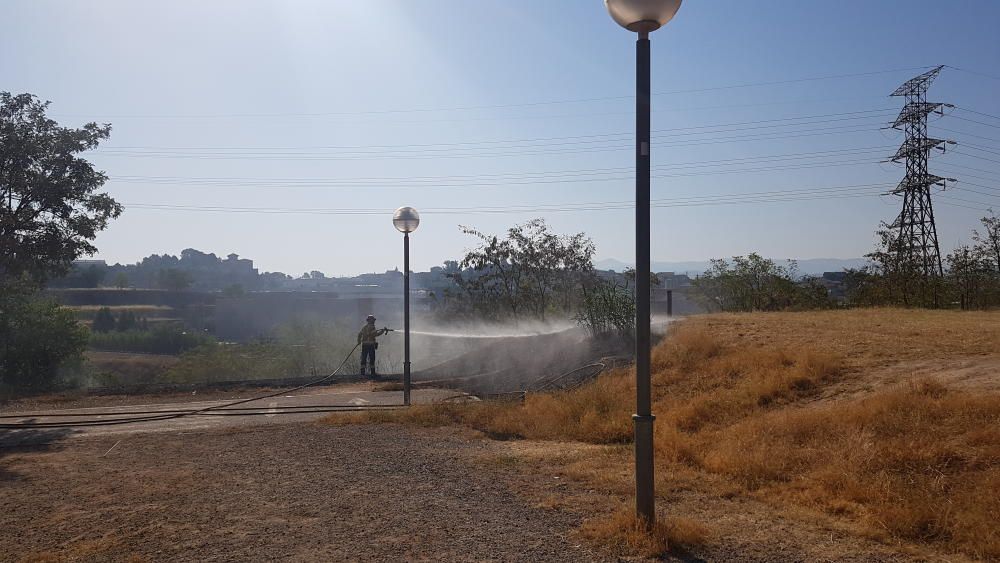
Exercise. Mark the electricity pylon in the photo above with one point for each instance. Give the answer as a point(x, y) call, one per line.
point(916, 241)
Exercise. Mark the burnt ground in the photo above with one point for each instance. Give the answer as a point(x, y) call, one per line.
point(301, 492)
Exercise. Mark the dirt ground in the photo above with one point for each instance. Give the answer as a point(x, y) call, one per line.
point(302, 492)
point(81, 399)
point(312, 491)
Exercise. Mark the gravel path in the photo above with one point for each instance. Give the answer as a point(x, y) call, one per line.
point(301, 492)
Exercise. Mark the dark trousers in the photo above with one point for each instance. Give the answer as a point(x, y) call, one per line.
point(368, 356)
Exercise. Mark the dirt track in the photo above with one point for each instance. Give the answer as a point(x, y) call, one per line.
point(302, 492)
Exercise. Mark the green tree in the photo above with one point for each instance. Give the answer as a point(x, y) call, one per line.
point(104, 320)
point(50, 206)
point(754, 283)
point(529, 273)
point(121, 280)
point(51, 210)
point(609, 307)
point(37, 336)
point(126, 321)
point(988, 241)
point(970, 277)
point(897, 277)
point(174, 279)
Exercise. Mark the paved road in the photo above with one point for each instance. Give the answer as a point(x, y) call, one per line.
point(282, 408)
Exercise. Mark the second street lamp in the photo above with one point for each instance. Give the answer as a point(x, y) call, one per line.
point(642, 17)
point(406, 220)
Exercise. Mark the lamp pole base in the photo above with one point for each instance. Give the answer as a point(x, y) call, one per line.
point(645, 500)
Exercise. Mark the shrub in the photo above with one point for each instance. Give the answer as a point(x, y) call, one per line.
point(159, 340)
point(104, 320)
point(37, 337)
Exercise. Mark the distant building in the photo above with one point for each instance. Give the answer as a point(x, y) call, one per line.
point(670, 280)
point(834, 284)
point(234, 265)
point(836, 277)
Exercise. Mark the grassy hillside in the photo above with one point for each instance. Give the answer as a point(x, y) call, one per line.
point(885, 421)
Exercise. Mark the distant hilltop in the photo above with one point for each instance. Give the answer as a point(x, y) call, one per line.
point(807, 266)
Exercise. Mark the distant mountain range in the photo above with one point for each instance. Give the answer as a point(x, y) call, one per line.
point(807, 266)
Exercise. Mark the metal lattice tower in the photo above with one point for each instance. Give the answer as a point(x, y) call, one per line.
point(916, 233)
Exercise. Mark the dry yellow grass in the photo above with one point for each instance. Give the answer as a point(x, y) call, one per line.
point(624, 534)
point(918, 462)
point(814, 410)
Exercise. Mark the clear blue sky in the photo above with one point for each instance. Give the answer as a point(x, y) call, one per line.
point(437, 104)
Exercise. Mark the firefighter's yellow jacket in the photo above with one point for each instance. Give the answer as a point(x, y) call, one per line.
point(368, 334)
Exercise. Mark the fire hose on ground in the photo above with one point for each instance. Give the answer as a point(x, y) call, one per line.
point(213, 410)
point(563, 381)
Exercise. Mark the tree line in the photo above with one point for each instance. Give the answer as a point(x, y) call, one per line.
point(970, 279)
point(193, 269)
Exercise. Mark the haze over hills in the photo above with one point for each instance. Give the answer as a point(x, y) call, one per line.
point(806, 266)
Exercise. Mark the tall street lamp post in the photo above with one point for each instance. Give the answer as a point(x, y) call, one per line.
point(406, 220)
point(642, 17)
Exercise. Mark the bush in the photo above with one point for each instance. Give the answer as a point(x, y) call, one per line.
point(104, 320)
point(160, 340)
point(609, 309)
point(37, 337)
point(300, 349)
point(753, 283)
point(237, 362)
point(127, 322)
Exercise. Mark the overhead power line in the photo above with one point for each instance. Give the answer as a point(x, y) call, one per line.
point(548, 141)
point(981, 148)
point(503, 106)
point(866, 190)
point(467, 179)
point(978, 112)
point(623, 145)
point(984, 204)
point(977, 122)
point(980, 137)
point(976, 156)
point(523, 182)
point(975, 72)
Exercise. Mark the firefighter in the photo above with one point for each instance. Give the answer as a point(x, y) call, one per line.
point(366, 338)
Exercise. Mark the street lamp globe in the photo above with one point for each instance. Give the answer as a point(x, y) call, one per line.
point(406, 219)
point(642, 16)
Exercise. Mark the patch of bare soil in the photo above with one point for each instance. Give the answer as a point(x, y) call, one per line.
point(973, 373)
point(292, 492)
